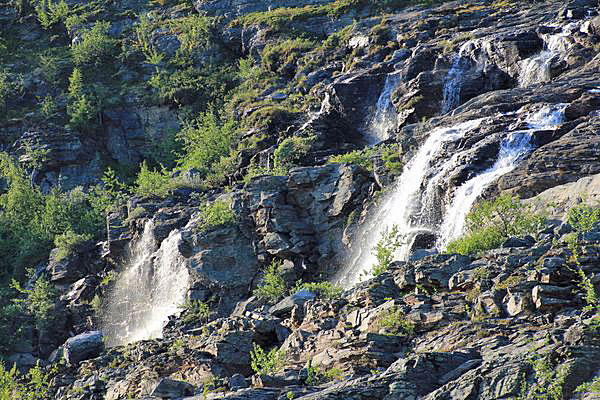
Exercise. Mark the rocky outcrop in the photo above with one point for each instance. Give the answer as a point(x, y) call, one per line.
point(83, 347)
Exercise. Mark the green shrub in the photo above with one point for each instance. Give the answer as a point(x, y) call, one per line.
point(326, 290)
point(592, 387)
point(548, 379)
point(39, 302)
point(492, 222)
point(477, 241)
point(392, 320)
point(583, 217)
point(392, 161)
point(356, 157)
point(95, 47)
point(215, 215)
point(317, 376)
point(193, 33)
point(266, 363)
point(13, 386)
point(81, 108)
point(195, 310)
point(272, 287)
point(281, 57)
point(50, 13)
point(385, 249)
point(290, 151)
point(67, 242)
point(152, 182)
point(29, 220)
point(206, 141)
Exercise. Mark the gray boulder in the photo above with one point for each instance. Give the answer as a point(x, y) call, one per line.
point(83, 347)
point(171, 389)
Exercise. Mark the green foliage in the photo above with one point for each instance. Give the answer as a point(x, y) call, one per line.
point(39, 302)
point(326, 290)
point(11, 316)
point(281, 57)
point(110, 193)
point(50, 13)
point(492, 222)
point(81, 109)
point(29, 220)
point(191, 85)
point(266, 363)
point(392, 321)
point(195, 310)
point(290, 151)
point(385, 249)
point(34, 386)
point(583, 217)
point(206, 141)
point(216, 214)
point(392, 161)
point(356, 157)
point(11, 86)
point(272, 287)
point(248, 70)
point(548, 382)
point(66, 242)
point(153, 182)
point(95, 46)
point(193, 33)
point(317, 376)
point(592, 387)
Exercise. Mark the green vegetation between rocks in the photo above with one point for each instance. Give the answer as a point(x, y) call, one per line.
point(266, 363)
point(490, 223)
point(34, 386)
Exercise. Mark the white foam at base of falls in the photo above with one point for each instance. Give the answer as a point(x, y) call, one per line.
point(152, 287)
point(536, 69)
point(386, 117)
point(397, 206)
point(512, 150)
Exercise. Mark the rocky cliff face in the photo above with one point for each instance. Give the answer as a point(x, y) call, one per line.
point(424, 108)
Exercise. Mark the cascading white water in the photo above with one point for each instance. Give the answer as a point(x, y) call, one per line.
point(410, 206)
point(399, 205)
point(151, 288)
point(536, 69)
point(513, 149)
point(453, 82)
point(386, 117)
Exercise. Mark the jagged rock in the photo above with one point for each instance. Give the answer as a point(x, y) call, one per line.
point(297, 299)
point(172, 389)
point(548, 297)
point(237, 382)
point(83, 347)
point(131, 131)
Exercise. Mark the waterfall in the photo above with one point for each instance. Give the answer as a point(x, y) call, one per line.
point(400, 205)
point(412, 204)
point(453, 82)
point(512, 150)
point(536, 69)
point(152, 287)
point(386, 117)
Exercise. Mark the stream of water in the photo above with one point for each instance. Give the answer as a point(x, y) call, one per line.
point(152, 286)
point(410, 205)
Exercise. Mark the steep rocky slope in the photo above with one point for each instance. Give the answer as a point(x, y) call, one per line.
point(233, 145)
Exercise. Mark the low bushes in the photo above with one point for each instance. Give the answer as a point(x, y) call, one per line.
point(492, 222)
